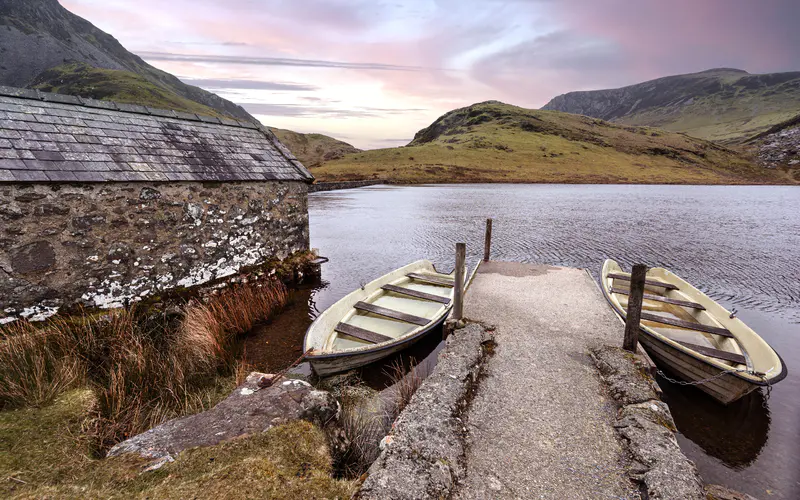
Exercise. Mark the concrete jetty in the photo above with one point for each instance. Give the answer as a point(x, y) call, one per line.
point(535, 398)
point(541, 422)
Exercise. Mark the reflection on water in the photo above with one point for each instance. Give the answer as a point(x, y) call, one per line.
point(273, 346)
point(734, 434)
point(739, 244)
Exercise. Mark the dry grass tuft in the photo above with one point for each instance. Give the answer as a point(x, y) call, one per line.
point(142, 367)
point(35, 366)
point(210, 328)
point(367, 418)
point(405, 383)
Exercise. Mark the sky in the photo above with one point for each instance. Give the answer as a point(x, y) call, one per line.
point(374, 72)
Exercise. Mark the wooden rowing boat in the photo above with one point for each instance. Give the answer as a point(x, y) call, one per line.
point(694, 337)
point(379, 319)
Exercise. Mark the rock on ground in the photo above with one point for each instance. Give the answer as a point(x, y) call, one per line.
point(247, 410)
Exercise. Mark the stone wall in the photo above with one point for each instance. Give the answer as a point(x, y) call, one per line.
point(105, 245)
point(332, 186)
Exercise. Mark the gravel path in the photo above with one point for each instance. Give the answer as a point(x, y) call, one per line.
point(540, 425)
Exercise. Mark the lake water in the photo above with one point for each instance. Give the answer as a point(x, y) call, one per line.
point(740, 245)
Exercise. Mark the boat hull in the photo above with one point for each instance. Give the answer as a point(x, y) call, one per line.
point(329, 364)
point(726, 388)
point(725, 379)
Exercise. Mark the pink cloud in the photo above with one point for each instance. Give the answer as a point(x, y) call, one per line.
point(468, 51)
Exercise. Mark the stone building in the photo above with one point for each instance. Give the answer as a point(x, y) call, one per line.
point(103, 204)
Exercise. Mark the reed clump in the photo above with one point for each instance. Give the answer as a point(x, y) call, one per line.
point(143, 367)
point(367, 417)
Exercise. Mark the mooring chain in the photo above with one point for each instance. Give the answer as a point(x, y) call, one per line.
point(266, 381)
point(697, 382)
point(767, 393)
point(718, 375)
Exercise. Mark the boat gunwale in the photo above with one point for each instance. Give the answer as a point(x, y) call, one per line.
point(671, 343)
point(435, 322)
point(379, 347)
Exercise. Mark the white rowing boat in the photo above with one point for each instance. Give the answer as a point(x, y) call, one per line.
point(379, 319)
point(694, 337)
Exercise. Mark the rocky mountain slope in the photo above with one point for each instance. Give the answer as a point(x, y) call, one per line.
point(728, 105)
point(39, 35)
point(497, 142)
point(314, 149)
point(779, 147)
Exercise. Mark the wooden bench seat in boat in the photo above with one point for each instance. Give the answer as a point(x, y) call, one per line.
point(361, 333)
point(699, 327)
point(431, 279)
point(715, 353)
point(416, 294)
point(661, 298)
point(391, 313)
point(626, 277)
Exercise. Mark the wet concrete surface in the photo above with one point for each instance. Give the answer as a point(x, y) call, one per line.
point(541, 422)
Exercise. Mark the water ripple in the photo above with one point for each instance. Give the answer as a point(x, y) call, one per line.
point(740, 245)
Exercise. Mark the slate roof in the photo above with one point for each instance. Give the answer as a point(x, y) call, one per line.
point(48, 137)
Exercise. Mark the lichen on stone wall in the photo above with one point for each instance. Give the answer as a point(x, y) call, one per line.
point(113, 244)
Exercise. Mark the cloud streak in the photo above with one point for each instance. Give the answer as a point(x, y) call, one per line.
point(224, 83)
point(295, 110)
point(272, 61)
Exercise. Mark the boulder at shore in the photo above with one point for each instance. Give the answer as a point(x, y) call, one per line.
point(248, 410)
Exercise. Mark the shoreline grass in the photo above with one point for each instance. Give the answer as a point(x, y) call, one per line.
point(142, 367)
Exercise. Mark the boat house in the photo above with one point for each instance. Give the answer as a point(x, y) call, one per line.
point(104, 203)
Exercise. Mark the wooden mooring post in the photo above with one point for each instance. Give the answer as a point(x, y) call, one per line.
point(633, 316)
point(458, 292)
point(487, 244)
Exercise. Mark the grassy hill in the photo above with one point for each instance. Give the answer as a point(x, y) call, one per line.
point(115, 85)
point(726, 105)
point(314, 149)
point(496, 142)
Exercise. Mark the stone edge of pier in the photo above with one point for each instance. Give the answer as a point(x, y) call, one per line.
point(646, 427)
point(423, 456)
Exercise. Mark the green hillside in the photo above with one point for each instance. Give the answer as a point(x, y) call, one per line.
point(313, 149)
point(726, 105)
point(114, 85)
point(496, 142)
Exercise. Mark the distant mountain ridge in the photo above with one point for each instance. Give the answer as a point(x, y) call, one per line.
point(41, 35)
point(722, 104)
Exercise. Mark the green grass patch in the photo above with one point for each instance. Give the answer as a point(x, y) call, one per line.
point(313, 149)
point(42, 455)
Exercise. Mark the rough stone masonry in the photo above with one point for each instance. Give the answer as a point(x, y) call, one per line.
point(103, 204)
point(107, 244)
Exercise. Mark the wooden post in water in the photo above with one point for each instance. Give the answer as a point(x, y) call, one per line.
point(458, 291)
point(487, 244)
point(633, 316)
